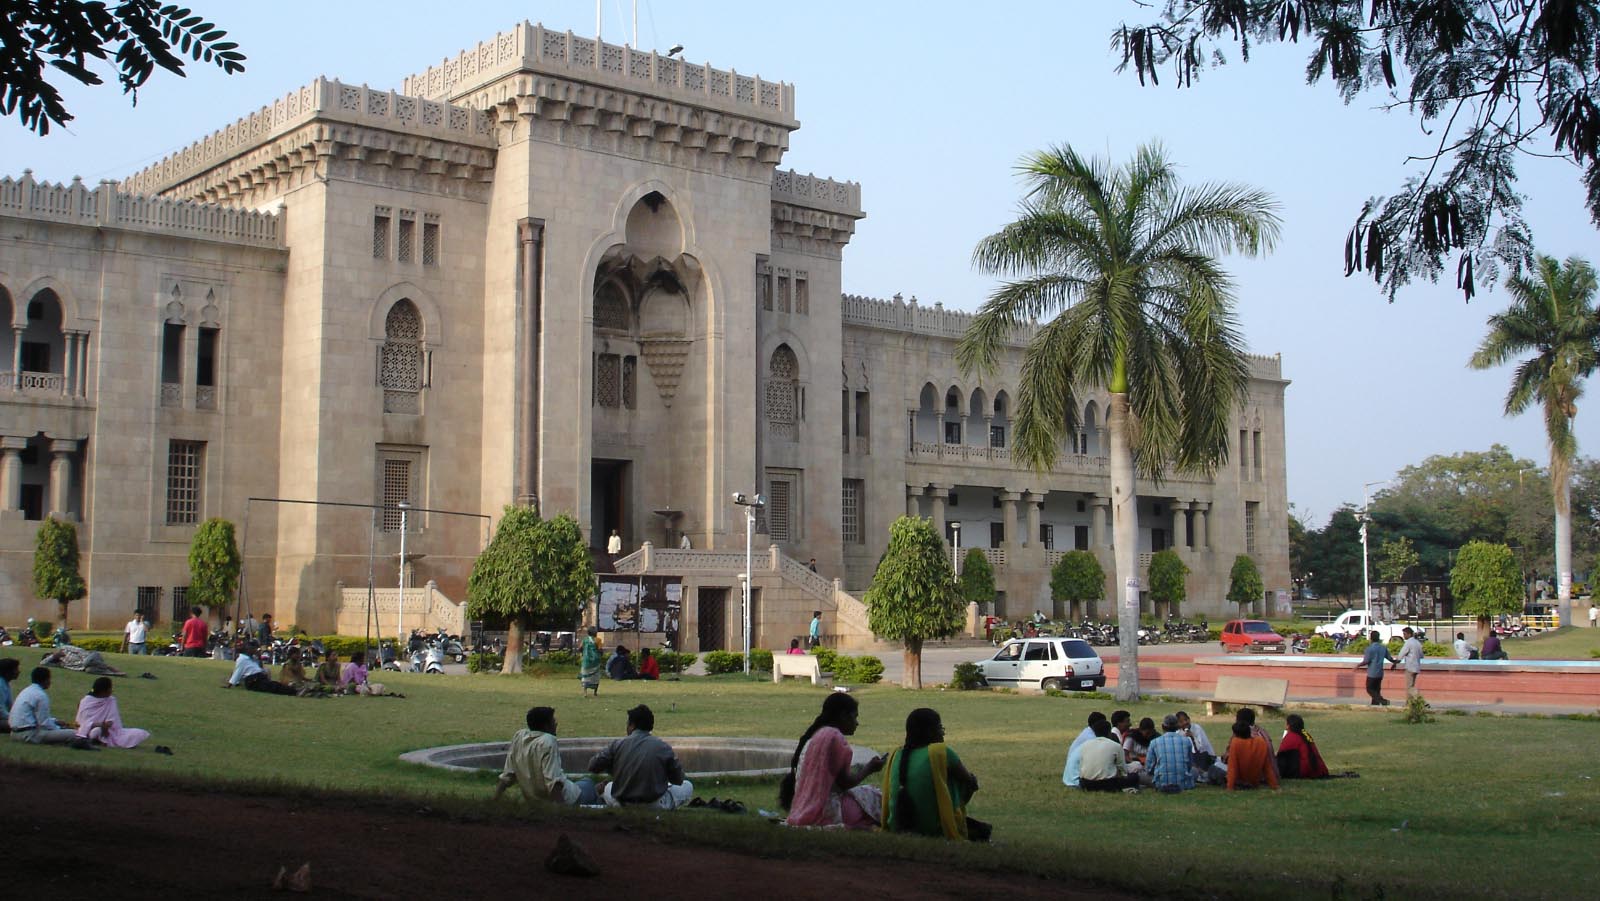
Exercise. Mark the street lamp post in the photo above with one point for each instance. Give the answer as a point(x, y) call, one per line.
point(1366, 589)
point(955, 550)
point(750, 505)
point(400, 606)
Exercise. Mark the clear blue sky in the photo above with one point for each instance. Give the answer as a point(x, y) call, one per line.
point(929, 106)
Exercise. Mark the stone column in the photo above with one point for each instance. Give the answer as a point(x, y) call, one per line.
point(1099, 509)
point(1035, 500)
point(988, 430)
point(913, 506)
point(966, 433)
point(11, 447)
point(911, 430)
point(1180, 526)
point(1008, 517)
point(1202, 537)
point(61, 451)
point(937, 493)
point(83, 366)
point(16, 359)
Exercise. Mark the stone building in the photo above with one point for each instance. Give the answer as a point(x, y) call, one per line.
point(550, 268)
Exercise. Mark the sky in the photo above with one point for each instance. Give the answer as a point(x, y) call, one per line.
point(929, 106)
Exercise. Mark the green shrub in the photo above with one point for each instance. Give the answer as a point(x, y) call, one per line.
point(669, 661)
point(1319, 644)
point(827, 658)
point(863, 670)
point(719, 662)
point(967, 677)
point(103, 645)
point(1594, 652)
point(344, 645)
point(1435, 649)
point(491, 663)
point(1214, 633)
point(1417, 711)
point(760, 660)
point(561, 658)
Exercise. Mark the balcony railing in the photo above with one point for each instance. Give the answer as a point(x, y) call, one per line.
point(36, 383)
point(171, 394)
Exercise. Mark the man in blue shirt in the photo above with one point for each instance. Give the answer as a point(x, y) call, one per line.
point(30, 717)
point(1170, 758)
point(816, 627)
point(1373, 659)
point(249, 673)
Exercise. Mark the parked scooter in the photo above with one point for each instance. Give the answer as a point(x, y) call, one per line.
point(451, 646)
point(429, 659)
point(386, 657)
point(1299, 644)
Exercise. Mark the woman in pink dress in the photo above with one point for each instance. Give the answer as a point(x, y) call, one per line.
point(100, 721)
point(822, 788)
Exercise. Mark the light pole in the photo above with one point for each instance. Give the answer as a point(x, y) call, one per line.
point(400, 607)
point(955, 549)
point(1366, 589)
point(750, 505)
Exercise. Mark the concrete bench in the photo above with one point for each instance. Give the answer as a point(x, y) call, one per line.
point(1247, 691)
point(804, 666)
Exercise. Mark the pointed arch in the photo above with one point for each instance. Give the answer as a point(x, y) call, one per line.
point(427, 311)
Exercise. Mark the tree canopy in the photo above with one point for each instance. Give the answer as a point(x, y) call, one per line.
point(1244, 582)
point(913, 596)
point(1488, 81)
point(977, 577)
point(1333, 555)
point(213, 564)
point(1077, 577)
point(55, 564)
point(1485, 581)
point(1394, 559)
point(1168, 578)
point(534, 570)
point(69, 35)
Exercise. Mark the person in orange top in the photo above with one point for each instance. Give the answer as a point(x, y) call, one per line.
point(648, 667)
point(1249, 760)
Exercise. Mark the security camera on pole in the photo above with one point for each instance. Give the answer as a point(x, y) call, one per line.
point(750, 505)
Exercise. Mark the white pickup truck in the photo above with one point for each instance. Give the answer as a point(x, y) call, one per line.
point(1360, 622)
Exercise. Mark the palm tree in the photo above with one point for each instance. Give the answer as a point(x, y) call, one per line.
point(1552, 314)
point(1124, 261)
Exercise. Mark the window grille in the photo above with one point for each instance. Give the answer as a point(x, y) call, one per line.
point(607, 380)
point(430, 241)
point(630, 383)
point(180, 603)
point(783, 393)
point(764, 285)
point(783, 291)
point(1250, 508)
point(147, 600)
point(1244, 457)
point(396, 490)
point(183, 481)
point(1255, 457)
point(997, 436)
point(802, 294)
point(380, 233)
point(779, 495)
point(850, 530)
point(408, 230)
point(400, 361)
point(611, 308)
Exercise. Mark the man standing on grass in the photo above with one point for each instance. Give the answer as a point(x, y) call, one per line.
point(643, 768)
point(1411, 659)
point(195, 631)
point(135, 633)
point(1373, 659)
point(533, 764)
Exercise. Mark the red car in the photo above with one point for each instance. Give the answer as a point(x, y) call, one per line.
point(1252, 636)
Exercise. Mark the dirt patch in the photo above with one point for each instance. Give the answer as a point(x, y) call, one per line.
point(97, 835)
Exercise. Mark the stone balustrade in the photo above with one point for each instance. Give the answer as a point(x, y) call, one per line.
point(423, 608)
point(812, 191)
point(110, 207)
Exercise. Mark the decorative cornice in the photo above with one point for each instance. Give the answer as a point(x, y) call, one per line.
point(106, 207)
point(812, 192)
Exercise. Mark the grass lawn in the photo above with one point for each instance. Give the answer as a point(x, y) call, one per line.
point(1442, 809)
point(1566, 643)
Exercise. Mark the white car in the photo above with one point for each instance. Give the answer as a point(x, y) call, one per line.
point(1046, 664)
point(1359, 623)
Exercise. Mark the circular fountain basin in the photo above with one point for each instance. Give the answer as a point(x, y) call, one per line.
point(700, 756)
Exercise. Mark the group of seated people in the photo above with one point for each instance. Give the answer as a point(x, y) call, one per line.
point(1491, 648)
point(620, 665)
point(328, 678)
point(98, 723)
point(1111, 754)
point(644, 770)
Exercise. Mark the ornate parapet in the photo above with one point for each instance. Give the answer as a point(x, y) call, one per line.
point(107, 207)
point(825, 194)
point(909, 316)
point(813, 215)
point(193, 170)
point(532, 48)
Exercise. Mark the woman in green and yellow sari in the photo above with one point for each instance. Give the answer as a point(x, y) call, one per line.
point(925, 785)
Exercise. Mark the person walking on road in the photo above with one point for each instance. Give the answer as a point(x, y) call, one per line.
point(1376, 655)
point(1411, 659)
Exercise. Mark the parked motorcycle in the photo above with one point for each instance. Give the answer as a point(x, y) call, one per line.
point(1299, 644)
point(386, 657)
point(451, 646)
point(429, 660)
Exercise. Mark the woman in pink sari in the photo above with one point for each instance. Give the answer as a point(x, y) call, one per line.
point(100, 721)
point(822, 788)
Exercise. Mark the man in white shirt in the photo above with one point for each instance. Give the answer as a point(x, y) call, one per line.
point(614, 543)
point(1102, 768)
point(533, 764)
point(1071, 773)
point(134, 634)
point(248, 673)
point(1464, 651)
point(1411, 659)
point(30, 716)
point(1206, 768)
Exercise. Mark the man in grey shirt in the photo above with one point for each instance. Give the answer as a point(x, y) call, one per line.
point(643, 768)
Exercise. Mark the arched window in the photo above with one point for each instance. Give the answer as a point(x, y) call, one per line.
point(400, 364)
point(785, 403)
point(611, 307)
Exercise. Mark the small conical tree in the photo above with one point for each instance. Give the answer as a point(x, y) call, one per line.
point(213, 565)
point(1077, 578)
point(1168, 582)
point(1244, 583)
point(913, 596)
point(1486, 582)
point(533, 569)
point(55, 565)
point(977, 578)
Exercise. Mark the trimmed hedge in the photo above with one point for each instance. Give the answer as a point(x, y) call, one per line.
point(967, 677)
point(720, 662)
point(103, 645)
point(863, 670)
point(760, 660)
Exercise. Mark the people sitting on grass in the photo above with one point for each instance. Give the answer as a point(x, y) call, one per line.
point(100, 719)
point(353, 679)
point(1170, 758)
point(327, 677)
point(649, 667)
point(620, 666)
point(30, 718)
point(1298, 757)
point(1491, 647)
point(248, 672)
point(823, 787)
point(1250, 760)
point(1464, 650)
point(1070, 772)
point(1103, 768)
point(533, 765)
point(925, 786)
point(1247, 715)
point(10, 669)
point(643, 768)
point(1136, 747)
point(293, 672)
point(1206, 769)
